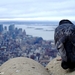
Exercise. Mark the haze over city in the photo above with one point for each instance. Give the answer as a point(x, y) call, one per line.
point(26, 10)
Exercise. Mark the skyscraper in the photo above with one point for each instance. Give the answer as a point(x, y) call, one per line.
point(11, 28)
point(1, 28)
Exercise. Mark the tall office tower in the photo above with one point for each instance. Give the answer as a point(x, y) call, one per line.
point(1, 28)
point(11, 28)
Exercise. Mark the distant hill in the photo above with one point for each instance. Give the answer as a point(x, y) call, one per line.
point(30, 22)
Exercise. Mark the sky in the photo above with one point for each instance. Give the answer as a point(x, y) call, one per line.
point(49, 10)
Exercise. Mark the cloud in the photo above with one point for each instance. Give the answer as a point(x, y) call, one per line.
point(37, 9)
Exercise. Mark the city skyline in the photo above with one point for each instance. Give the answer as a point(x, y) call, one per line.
point(50, 10)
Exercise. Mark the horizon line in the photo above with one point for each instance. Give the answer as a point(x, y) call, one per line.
point(38, 19)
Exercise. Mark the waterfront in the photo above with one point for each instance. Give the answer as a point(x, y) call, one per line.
point(44, 31)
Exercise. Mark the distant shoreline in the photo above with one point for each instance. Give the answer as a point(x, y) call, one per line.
point(47, 32)
point(30, 22)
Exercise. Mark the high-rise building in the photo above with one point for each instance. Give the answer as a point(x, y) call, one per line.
point(11, 28)
point(1, 28)
point(5, 29)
